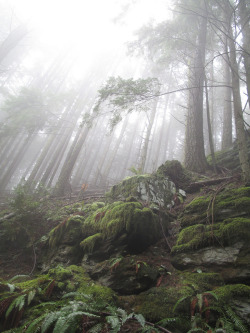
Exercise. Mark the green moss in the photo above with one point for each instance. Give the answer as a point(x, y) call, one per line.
point(235, 229)
point(228, 203)
point(202, 281)
point(34, 283)
point(128, 187)
point(189, 220)
point(121, 217)
point(175, 172)
point(198, 205)
point(69, 228)
point(227, 232)
point(60, 273)
point(229, 292)
point(89, 243)
point(158, 303)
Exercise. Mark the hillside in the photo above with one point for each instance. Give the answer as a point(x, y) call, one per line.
point(161, 252)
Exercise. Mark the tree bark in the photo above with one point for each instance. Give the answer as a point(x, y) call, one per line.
point(238, 114)
point(195, 159)
point(244, 13)
point(227, 108)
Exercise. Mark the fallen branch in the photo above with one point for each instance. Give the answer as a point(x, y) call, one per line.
point(193, 187)
point(6, 217)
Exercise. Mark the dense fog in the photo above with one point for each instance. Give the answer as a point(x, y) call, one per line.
point(59, 130)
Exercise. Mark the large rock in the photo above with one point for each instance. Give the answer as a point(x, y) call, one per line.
point(145, 188)
point(124, 224)
point(233, 262)
point(215, 235)
point(157, 189)
point(125, 275)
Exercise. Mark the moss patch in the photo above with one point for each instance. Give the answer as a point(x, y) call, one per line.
point(158, 303)
point(228, 293)
point(139, 223)
point(89, 243)
point(201, 282)
point(228, 203)
point(198, 236)
point(175, 172)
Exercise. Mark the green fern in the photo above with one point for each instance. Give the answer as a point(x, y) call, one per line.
point(114, 322)
point(164, 322)
point(35, 325)
point(96, 328)
point(31, 295)
point(149, 329)
point(17, 277)
point(60, 324)
point(49, 320)
point(179, 301)
point(235, 319)
point(140, 319)
point(17, 303)
point(196, 329)
point(12, 287)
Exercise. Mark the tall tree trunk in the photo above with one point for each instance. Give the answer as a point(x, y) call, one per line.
point(244, 13)
point(63, 183)
point(227, 108)
point(195, 158)
point(144, 151)
point(210, 134)
point(6, 177)
point(238, 114)
point(112, 156)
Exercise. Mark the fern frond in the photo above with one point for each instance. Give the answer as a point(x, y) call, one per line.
point(179, 301)
point(76, 294)
point(60, 325)
point(96, 329)
point(73, 320)
point(20, 301)
point(17, 303)
point(34, 326)
point(236, 319)
point(31, 295)
point(49, 320)
point(167, 321)
point(114, 323)
point(12, 287)
point(149, 329)
point(228, 325)
point(17, 277)
point(141, 320)
point(123, 315)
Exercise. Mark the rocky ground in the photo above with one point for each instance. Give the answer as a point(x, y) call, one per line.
point(167, 252)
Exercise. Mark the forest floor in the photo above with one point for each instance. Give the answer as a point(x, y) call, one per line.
point(15, 262)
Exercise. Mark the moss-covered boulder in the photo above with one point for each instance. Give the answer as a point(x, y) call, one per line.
point(216, 233)
point(234, 300)
point(229, 158)
point(123, 224)
point(155, 189)
point(125, 275)
point(174, 171)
